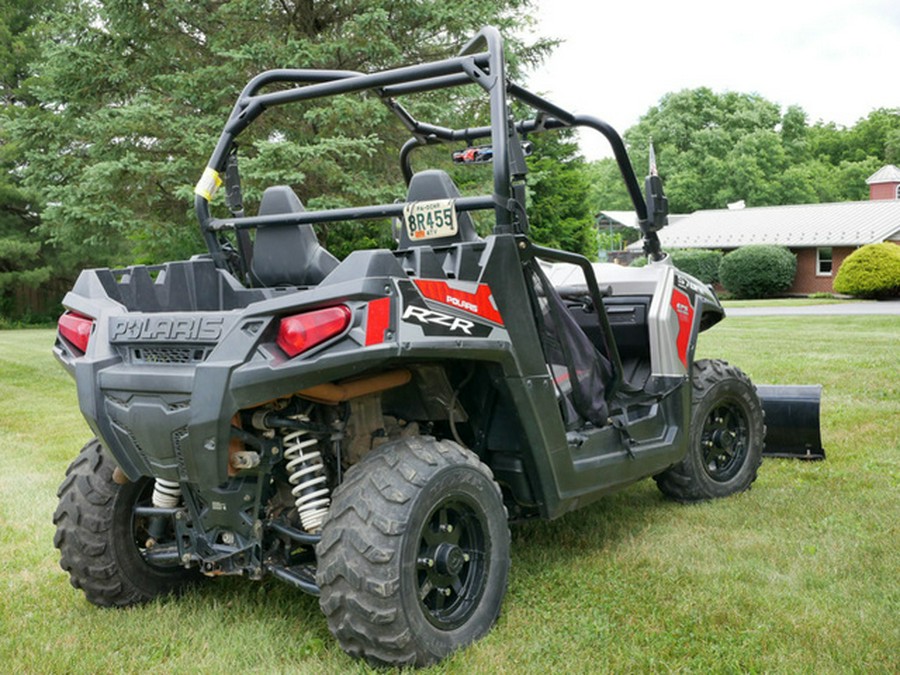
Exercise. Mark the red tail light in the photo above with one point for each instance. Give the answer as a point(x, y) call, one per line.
point(76, 329)
point(300, 332)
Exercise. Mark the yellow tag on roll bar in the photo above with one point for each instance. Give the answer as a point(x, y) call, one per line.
point(208, 184)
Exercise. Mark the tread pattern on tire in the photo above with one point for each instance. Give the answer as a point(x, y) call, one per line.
point(369, 513)
point(680, 481)
point(85, 532)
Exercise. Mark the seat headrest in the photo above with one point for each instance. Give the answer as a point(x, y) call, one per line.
point(288, 255)
point(280, 199)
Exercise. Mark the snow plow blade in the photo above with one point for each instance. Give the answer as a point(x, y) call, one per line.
point(792, 420)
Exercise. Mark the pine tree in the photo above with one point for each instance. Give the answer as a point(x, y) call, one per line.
point(132, 97)
point(26, 264)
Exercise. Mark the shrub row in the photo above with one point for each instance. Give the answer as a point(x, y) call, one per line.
point(872, 271)
point(748, 272)
point(700, 263)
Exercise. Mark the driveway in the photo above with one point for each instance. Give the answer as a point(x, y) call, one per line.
point(884, 308)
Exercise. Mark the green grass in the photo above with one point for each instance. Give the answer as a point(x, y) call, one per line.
point(798, 575)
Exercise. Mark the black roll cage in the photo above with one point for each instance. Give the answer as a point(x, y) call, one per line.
point(481, 62)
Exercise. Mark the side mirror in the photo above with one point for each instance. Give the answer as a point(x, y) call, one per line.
point(657, 204)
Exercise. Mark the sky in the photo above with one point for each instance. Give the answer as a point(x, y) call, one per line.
point(837, 59)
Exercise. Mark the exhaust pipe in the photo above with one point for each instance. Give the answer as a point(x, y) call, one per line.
point(792, 420)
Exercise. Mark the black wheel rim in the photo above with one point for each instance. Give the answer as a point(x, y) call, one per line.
point(452, 562)
point(724, 440)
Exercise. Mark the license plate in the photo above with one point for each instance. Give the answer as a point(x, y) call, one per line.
point(430, 220)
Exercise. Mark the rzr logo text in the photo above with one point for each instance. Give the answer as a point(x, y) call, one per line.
point(428, 316)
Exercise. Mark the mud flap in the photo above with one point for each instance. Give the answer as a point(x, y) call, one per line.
point(792, 420)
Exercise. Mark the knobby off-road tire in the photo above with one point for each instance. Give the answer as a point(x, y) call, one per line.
point(414, 556)
point(726, 436)
point(99, 538)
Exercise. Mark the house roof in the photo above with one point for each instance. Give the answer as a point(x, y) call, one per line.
point(626, 218)
point(886, 174)
point(801, 225)
point(630, 219)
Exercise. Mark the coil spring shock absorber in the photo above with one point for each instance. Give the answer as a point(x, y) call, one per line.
point(166, 494)
point(306, 472)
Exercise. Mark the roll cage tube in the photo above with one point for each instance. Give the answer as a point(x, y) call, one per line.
point(612, 350)
point(480, 62)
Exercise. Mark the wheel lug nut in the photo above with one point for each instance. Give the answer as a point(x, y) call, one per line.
point(427, 562)
point(466, 557)
point(446, 528)
point(447, 592)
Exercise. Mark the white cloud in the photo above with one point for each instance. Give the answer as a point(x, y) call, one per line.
point(837, 59)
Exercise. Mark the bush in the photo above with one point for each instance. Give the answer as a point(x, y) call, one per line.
point(758, 271)
point(700, 263)
point(872, 271)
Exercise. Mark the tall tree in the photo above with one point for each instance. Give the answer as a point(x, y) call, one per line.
point(856, 152)
point(714, 148)
point(133, 96)
point(702, 137)
point(25, 263)
point(606, 188)
point(559, 212)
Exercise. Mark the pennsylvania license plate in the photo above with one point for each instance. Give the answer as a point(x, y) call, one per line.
point(430, 220)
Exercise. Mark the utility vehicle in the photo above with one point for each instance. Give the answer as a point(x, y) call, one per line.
point(366, 429)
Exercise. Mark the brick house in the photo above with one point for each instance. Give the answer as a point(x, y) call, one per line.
point(820, 235)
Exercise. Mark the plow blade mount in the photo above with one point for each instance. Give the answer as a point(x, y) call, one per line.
point(792, 420)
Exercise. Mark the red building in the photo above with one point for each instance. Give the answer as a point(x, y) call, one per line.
point(885, 183)
point(820, 235)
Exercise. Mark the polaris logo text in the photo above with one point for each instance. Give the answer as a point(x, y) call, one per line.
point(166, 329)
point(428, 316)
point(462, 304)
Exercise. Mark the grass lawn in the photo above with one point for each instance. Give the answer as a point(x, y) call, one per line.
point(800, 574)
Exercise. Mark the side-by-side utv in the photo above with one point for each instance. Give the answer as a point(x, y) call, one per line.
point(365, 429)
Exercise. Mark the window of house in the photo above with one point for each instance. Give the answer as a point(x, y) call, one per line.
point(823, 262)
point(898, 191)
